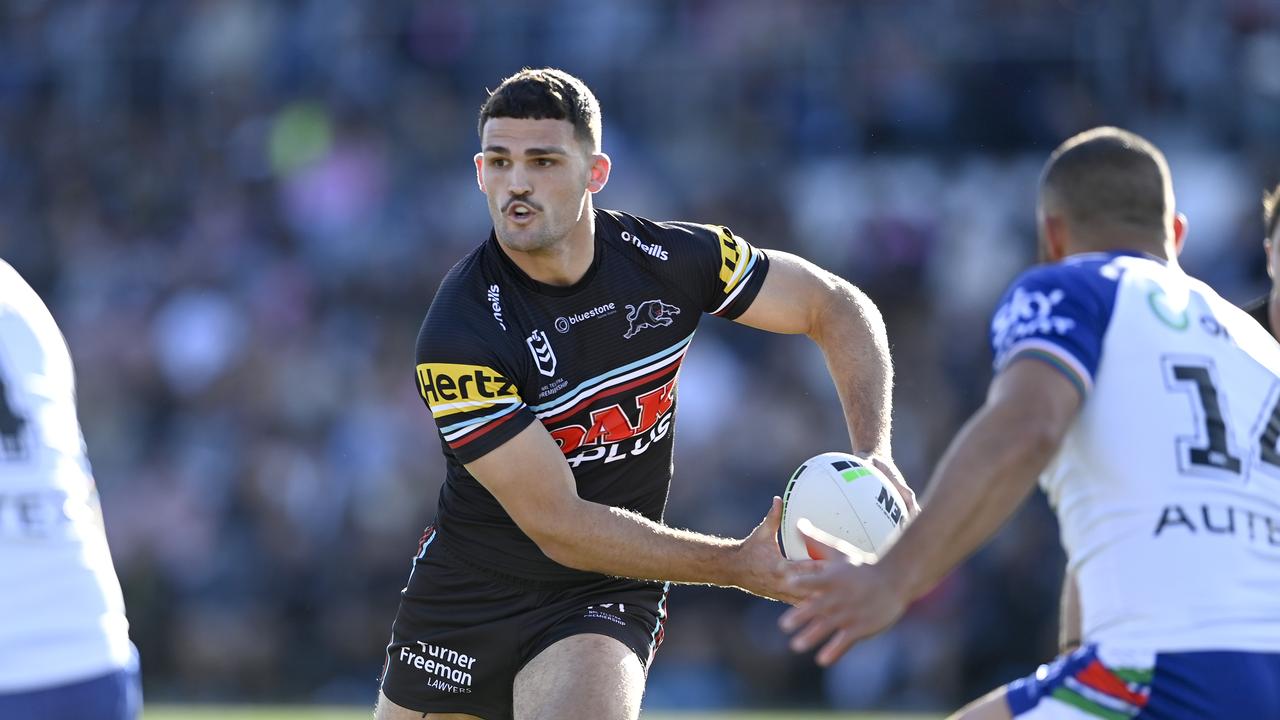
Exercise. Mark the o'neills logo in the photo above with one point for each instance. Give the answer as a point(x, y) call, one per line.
point(564, 322)
point(653, 249)
point(495, 302)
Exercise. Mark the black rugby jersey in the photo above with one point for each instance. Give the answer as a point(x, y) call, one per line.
point(595, 362)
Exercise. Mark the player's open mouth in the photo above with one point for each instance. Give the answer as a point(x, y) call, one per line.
point(520, 213)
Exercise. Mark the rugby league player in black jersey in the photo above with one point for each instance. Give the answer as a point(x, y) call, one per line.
point(549, 359)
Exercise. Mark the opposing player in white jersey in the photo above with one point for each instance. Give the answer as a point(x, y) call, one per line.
point(64, 641)
point(1266, 309)
point(1150, 409)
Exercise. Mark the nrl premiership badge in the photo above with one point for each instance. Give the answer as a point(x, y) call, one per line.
point(543, 355)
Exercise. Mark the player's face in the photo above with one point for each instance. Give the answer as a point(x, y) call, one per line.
point(537, 176)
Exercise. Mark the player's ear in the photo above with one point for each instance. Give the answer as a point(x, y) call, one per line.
point(1053, 237)
point(1271, 265)
point(479, 160)
point(1179, 232)
point(600, 166)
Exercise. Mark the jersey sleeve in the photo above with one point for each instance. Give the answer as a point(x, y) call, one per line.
point(730, 270)
point(470, 390)
point(1057, 314)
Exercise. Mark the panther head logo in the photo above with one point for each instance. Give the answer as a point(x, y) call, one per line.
point(649, 314)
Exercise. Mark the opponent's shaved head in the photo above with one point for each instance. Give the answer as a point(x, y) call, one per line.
point(1109, 184)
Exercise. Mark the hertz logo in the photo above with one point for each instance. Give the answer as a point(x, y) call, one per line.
point(451, 388)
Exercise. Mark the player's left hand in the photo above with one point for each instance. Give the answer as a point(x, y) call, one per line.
point(761, 566)
point(846, 597)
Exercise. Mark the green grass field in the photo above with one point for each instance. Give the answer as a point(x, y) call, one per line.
point(267, 712)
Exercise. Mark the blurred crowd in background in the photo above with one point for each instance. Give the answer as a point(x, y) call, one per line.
point(239, 212)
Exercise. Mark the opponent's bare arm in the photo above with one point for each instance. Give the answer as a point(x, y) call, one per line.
point(530, 478)
point(800, 298)
point(989, 469)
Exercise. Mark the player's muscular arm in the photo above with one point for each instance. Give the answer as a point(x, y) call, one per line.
point(986, 473)
point(530, 478)
point(988, 470)
point(800, 298)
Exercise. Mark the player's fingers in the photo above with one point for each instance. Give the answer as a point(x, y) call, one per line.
point(894, 475)
point(814, 633)
point(800, 568)
point(819, 580)
point(794, 591)
point(909, 497)
point(773, 519)
point(837, 646)
point(793, 619)
point(913, 504)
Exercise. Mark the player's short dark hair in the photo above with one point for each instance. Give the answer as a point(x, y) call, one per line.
point(1109, 178)
point(546, 93)
point(1271, 211)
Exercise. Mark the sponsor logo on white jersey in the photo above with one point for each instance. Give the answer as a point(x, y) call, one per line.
point(1029, 312)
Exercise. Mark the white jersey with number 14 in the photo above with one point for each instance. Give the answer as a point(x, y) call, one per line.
point(1167, 486)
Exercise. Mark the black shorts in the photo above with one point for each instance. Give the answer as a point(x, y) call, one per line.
point(461, 634)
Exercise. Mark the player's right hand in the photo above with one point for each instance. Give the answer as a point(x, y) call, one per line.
point(759, 559)
point(886, 465)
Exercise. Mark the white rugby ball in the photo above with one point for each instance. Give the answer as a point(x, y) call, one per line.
point(845, 496)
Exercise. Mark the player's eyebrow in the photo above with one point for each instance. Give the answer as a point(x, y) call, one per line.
point(529, 152)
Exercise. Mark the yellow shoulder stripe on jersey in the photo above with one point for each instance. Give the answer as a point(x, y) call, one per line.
point(734, 256)
point(452, 388)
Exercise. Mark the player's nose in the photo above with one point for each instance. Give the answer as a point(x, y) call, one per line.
point(520, 182)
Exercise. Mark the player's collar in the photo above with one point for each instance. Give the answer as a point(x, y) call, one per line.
point(542, 288)
point(1138, 253)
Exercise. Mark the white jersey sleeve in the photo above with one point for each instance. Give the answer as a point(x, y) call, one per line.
point(60, 600)
point(1167, 485)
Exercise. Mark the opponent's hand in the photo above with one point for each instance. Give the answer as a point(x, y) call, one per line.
point(891, 471)
point(760, 560)
point(846, 596)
